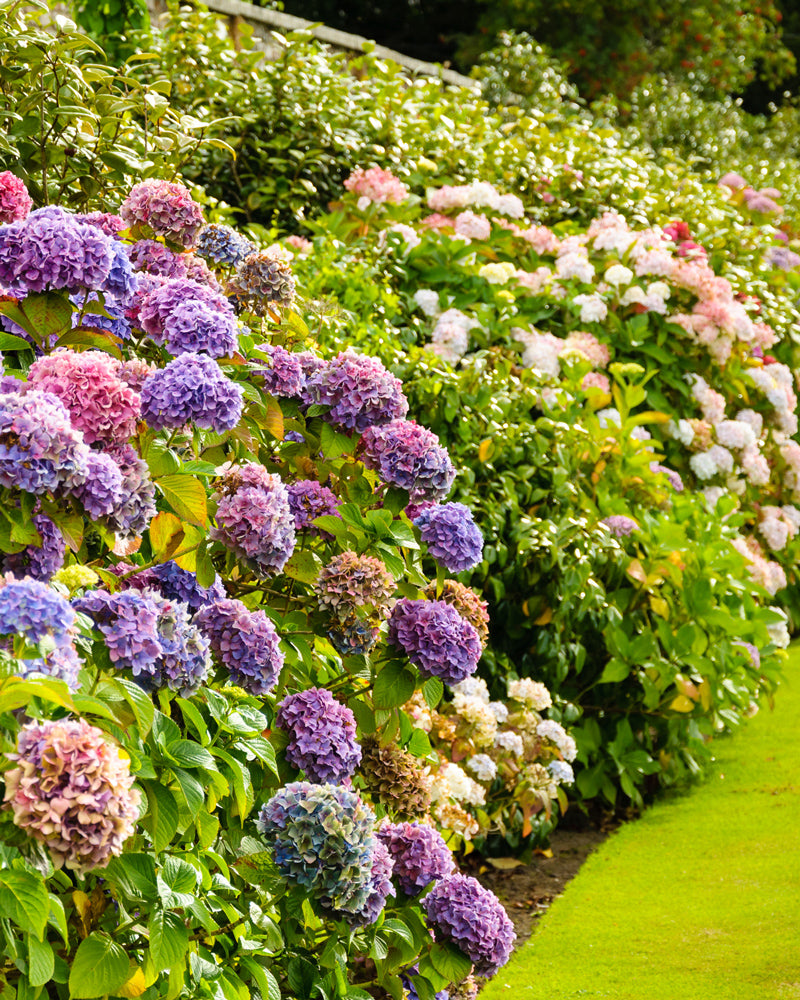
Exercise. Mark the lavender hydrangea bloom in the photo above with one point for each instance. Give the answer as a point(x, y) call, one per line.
point(359, 391)
point(619, 525)
point(71, 790)
point(437, 640)
point(410, 457)
point(246, 643)
point(50, 249)
point(121, 282)
point(460, 910)
point(283, 373)
point(164, 298)
point(419, 854)
point(195, 326)
point(223, 245)
point(322, 839)
point(155, 258)
point(674, 478)
point(178, 584)
point(380, 888)
point(136, 508)
point(102, 491)
point(322, 735)
point(38, 561)
point(308, 500)
point(186, 659)
point(167, 208)
point(258, 526)
point(32, 610)
point(191, 389)
point(39, 448)
point(452, 537)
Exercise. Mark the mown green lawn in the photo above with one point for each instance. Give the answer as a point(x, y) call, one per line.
point(697, 900)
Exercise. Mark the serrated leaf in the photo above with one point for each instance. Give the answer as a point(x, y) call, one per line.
point(187, 497)
point(191, 754)
point(169, 939)
point(161, 820)
point(450, 962)
point(432, 691)
point(41, 961)
point(93, 338)
point(133, 986)
point(166, 534)
point(100, 966)
point(24, 900)
point(134, 875)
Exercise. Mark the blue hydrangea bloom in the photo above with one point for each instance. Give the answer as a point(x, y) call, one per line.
point(178, 584)
point(452, 537)
point(34, 611)
point(222, 244)
point(196, 326)
point(246, 643)
point(39, 562)
point(322, 735)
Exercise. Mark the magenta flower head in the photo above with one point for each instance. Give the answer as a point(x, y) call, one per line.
point(191, 389)
point(472, 918)
point(283, 373)
point(71, 791)
point(437, 640)
point(108, 223)
point(309, 499)
point(154, 258)
point(322, 736)
point(359, 391)
point(257, 524)
point(245, 642)
point(410, 457)
point(166, 208)
point(15, 202)
point(418, 853)
point(452, 537)
point(100, 404)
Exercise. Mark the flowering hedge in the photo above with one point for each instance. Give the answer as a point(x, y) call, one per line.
point(241, 726)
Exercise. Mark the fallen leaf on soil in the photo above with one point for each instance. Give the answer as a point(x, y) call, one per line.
point(504, 864)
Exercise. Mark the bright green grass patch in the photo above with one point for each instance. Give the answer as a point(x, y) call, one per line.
point(697, 900)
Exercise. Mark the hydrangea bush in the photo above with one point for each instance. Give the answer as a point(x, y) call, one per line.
point(224, 606)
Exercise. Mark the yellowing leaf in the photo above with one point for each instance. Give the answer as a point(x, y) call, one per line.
point(505, 864)
point(186, 496)
point(83, 907)
point(681, 704)
point(134, 987)
point(166, 532)
point(636, 571)
point(543, 852)
point(485, 450)
point(705, 695)
point(545, 617)
point(660, 606)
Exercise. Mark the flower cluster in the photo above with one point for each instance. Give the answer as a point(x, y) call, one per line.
point(467, 604)
point(308, 500)
point(257, 524)
point(410, 457)
point(136, 508)
point(162, 298)
point(223, 245)
point(37, 561)
point(437, 640)
point(32, 610)
point(322, 735)
point(619, 525)
point(395, 778)
point(71, 790)
point(419, 854)
point(375, 185)
point(360, 392)
point(245, 642)
point(262, 280)
point(194, 326)
point(15, 202)
point(167, 209)
point(452, 537)
point(353, 581)
point(178, 584)
point(191, 389)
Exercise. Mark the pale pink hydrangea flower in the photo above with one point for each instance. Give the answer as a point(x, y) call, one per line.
point(473, 226)
point(437, 221)
point(449, 197)
point(596, 380)
point(534, 281)
point(376, 185)
point(575, 265)
point(541, 239)
point(300, 244)
point(589, 346)
point(540, 350)
point(755, 467)
point(593, 308)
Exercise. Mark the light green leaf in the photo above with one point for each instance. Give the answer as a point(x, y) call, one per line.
point(100, 966)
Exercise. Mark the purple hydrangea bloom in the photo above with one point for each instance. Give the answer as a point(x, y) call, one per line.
point(256, 523)
point(151, 636)
point(162, 299)
point(380, 888)
point(283, 373)
point(419, 854)
point(783, 258)
point(15, 202)
point(38, 561)
point(322, 735)
point(155, 258)
point(246, 643)
point(136, 507)
point(437, 640)
point(191, 389)
point(359, 391)
point(197, 270)
point(195, 326)
point(178, 584)
point(108, 223)
point(752, 653)
point(223, 245)
point(461, 911)
point(39, 448)
point(674, 478)
point(167, 208)
point(619, 525)
point(31, 609)
point(51, 250)
point(410, 457)
point(322, 839)
point(452, 537)
point(121, 282)
point(308, 500)
point(102, 492)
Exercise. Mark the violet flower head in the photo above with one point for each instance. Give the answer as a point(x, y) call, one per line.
point(40, 450)
point(353, 581)
point(322, 839)
point(163, 298)
point(223, 245)
point(102, 492)
point(40, 615)
point(437, 640)
point(308, 500)
point(195, 326)
point(191, 389)
point(50, 250)
point(122, 282)
point(136, 507)
point(155, 258)
point(178, 584)
point(379, 889)
point(410, 457)
point(39, 562)
point(674, 477)
point(71, 791)
point(245, 642)
point(100, 404)
point(472, 918)
point(166, 208)
point(283, 373)
point(257, 525)
point(359, 391)
point(419, 854)
point(466, 602)
point(262, 280)
point(452, 537)
point(619, 525)
point(322, 736)
point(15, 202)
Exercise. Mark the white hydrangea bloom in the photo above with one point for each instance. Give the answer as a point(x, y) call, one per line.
point(483, 767)
point(428, 301)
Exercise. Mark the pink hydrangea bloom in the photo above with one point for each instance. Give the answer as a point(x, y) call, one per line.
point(15, 202)
point(376, 185)
point(167, 208)
point(473, 226)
